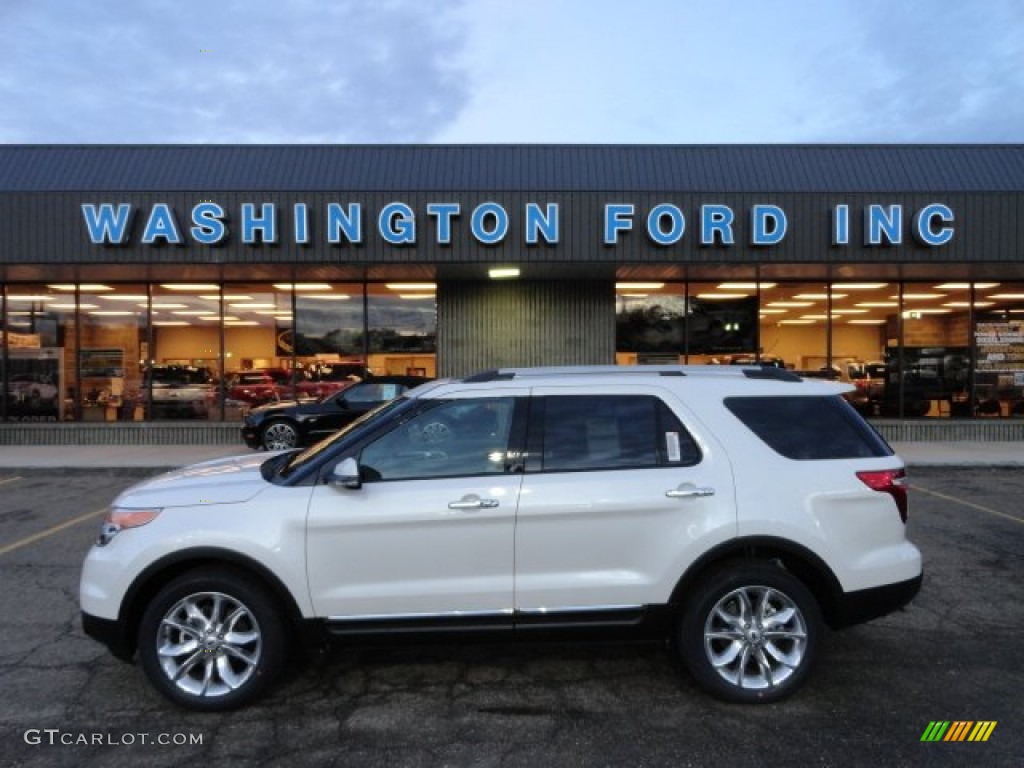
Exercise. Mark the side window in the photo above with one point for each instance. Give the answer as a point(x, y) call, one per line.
point(457, 437)
point(373, 392)
point(613, 432)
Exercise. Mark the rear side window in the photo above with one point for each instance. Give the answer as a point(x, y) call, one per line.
point(808, 428)
point(588, 432)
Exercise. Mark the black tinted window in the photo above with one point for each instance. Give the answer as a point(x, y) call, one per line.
point(806, 428)
point(613, 432)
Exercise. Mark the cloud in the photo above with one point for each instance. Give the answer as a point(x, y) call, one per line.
point(198, 71)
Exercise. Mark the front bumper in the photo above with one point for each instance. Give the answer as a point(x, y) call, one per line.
point(111, 633)
point(251, 437)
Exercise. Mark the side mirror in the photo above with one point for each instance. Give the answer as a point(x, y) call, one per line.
point(345, 474)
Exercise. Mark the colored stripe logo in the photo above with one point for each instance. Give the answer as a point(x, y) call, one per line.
point(958, 730)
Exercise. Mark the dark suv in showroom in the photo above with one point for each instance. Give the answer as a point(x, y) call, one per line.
point(278, 426)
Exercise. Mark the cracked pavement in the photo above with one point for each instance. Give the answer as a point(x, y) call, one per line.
point(954, 655)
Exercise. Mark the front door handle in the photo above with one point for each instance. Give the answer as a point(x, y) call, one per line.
point(472, 501)
point(689, 491)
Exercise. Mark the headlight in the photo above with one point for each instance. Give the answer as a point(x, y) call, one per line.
point(117, 519)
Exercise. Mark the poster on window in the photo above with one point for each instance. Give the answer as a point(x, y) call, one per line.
point(32, 382)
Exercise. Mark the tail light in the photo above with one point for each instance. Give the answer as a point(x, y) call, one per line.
point(891, 481)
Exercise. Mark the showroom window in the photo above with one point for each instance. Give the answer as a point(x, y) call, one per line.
point(402, 328)
point(38, 364)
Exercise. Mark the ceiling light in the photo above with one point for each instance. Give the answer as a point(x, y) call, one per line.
point(634, 295)
point(722, 295)
point(964, 286)
point(235, 323)
point(91, 287)
point(112, 312)
point(190, 286)
point(325, 296)
point(126, 297)
point(959, 304)
point(72, 306)
point(849, 311)
point(791, 304)
point(639, 286)
point(744, 286)
point(877, 304)
point(302, 286)
point(797, 322)
point(254, 305)
point(921, 296)
point(416, 296)
point(866, 322)
point(411, 286)
point(166, 306)
point(193, 312)
point(1006, 296)
point(858, 286)
point(819, 296)
point(213, 317)
point(30, 297)
point(774, 311)
point(165, 323)
point(498, 273)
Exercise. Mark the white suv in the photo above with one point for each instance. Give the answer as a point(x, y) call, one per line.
point(734, 510)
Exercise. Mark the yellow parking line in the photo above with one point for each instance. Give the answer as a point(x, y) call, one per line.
point(7, 480)
point(50, 531)
point(970, 504)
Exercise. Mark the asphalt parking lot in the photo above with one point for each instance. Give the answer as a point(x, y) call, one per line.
point(955, 655)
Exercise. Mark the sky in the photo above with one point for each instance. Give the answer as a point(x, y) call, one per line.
point(511, 71)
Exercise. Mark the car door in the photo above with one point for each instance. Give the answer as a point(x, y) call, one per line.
point(623, 490)
point(429, 535)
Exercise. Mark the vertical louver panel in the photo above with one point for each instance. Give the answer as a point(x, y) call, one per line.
point(524, 323)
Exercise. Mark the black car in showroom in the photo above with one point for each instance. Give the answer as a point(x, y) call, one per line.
point(280, 426)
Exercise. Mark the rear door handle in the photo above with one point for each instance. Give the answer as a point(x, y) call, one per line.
point(688, 491)
point(472, 501)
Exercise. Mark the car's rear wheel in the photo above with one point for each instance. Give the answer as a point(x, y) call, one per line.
point(211, 640)
point(280, 435)
point(750, 632)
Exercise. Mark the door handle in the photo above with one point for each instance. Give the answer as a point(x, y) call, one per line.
point(689, 492)
point(473, 502)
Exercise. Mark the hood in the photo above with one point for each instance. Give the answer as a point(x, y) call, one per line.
point(220, 481)
point(293, 406)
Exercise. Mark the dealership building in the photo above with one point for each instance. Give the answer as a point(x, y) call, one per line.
point(898, 268)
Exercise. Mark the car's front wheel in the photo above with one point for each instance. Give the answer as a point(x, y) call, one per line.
point(750, 632)
point(280, 436)
point(212, 640)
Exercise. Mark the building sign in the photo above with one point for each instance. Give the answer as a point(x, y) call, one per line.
point(489, 223)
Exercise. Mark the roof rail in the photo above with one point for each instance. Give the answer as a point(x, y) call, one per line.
point(750, 371)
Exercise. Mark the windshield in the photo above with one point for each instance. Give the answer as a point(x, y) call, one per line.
point(300, 459)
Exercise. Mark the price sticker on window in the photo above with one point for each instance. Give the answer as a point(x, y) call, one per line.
point(672, 446)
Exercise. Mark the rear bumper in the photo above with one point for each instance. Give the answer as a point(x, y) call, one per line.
point(867, 604)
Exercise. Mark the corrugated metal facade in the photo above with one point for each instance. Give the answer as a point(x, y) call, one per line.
point(524, 323)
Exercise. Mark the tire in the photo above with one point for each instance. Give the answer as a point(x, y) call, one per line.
point(280, 435)
point(211, 640)
point(750, 632)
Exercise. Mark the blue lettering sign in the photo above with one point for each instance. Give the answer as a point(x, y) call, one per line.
point(340, 221)
point(301, 223)
point(397, 224)
point(716, 220)
point(444, 212)
point(161, 226)
point(879, 221)
point(209, 227)
point(618, 217)
point(478, 223)
point(925, 229)
point(841, 225)
point(265, 223)
point(107, 224)
point(540, 224)
point(767, 224)
point(656, 224)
